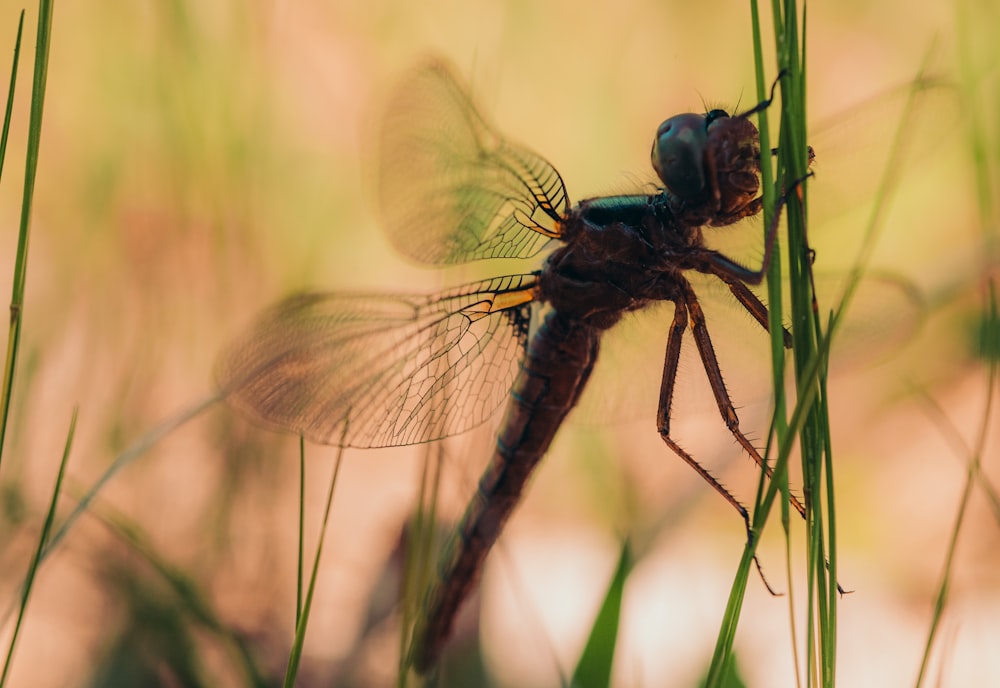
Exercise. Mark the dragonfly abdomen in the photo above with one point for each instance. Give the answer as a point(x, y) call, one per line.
point(560, 357)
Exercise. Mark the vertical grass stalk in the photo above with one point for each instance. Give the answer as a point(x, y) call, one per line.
point(302, 615)
point(39, 78)
point(809, 424)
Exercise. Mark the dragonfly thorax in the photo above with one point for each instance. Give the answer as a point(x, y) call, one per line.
point(619, 254)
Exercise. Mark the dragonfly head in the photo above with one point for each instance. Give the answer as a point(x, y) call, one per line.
point(711, 159)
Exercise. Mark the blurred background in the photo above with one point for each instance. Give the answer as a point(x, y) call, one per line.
point(202, 160)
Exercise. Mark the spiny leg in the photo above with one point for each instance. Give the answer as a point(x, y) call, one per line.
point(670, 363)
point(699, 328)
point(753, 306)
point(760, 313)
point(728, 270)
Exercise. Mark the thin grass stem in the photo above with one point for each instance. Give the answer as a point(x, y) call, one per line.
point(36, 560)
point(302, 622)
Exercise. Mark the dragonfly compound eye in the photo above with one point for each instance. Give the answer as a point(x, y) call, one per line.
point(678, 154)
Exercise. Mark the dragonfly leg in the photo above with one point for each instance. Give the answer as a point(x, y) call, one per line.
point(670, 364)
point(706, 351)
point(728, 269)
point(754, 306)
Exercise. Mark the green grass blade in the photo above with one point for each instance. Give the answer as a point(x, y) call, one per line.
point(30, 170)
point(7, 115)
point(302, 622)
point(722, 656)
point(37, 558)
point(731, 676)
point(808, 423)
point(594, 668)
point(300, 566)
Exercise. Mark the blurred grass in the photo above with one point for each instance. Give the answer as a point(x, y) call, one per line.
point(981, 138)
point(201, 159)
point(974, 463)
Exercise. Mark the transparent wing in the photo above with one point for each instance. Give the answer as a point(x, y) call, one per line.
point(398, 369)
point(451, 188)
point(853, 146)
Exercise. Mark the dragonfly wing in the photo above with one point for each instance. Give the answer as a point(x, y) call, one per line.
point(853, 147)
point(451, 188)
point(397, 369)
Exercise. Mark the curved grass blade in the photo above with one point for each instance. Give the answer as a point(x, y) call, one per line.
point(136, 450)
point(973, 470)
point(594, 668)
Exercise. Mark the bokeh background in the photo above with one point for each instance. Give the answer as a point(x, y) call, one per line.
point(201, 160)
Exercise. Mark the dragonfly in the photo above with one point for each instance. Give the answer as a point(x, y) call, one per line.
point(368, 370)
